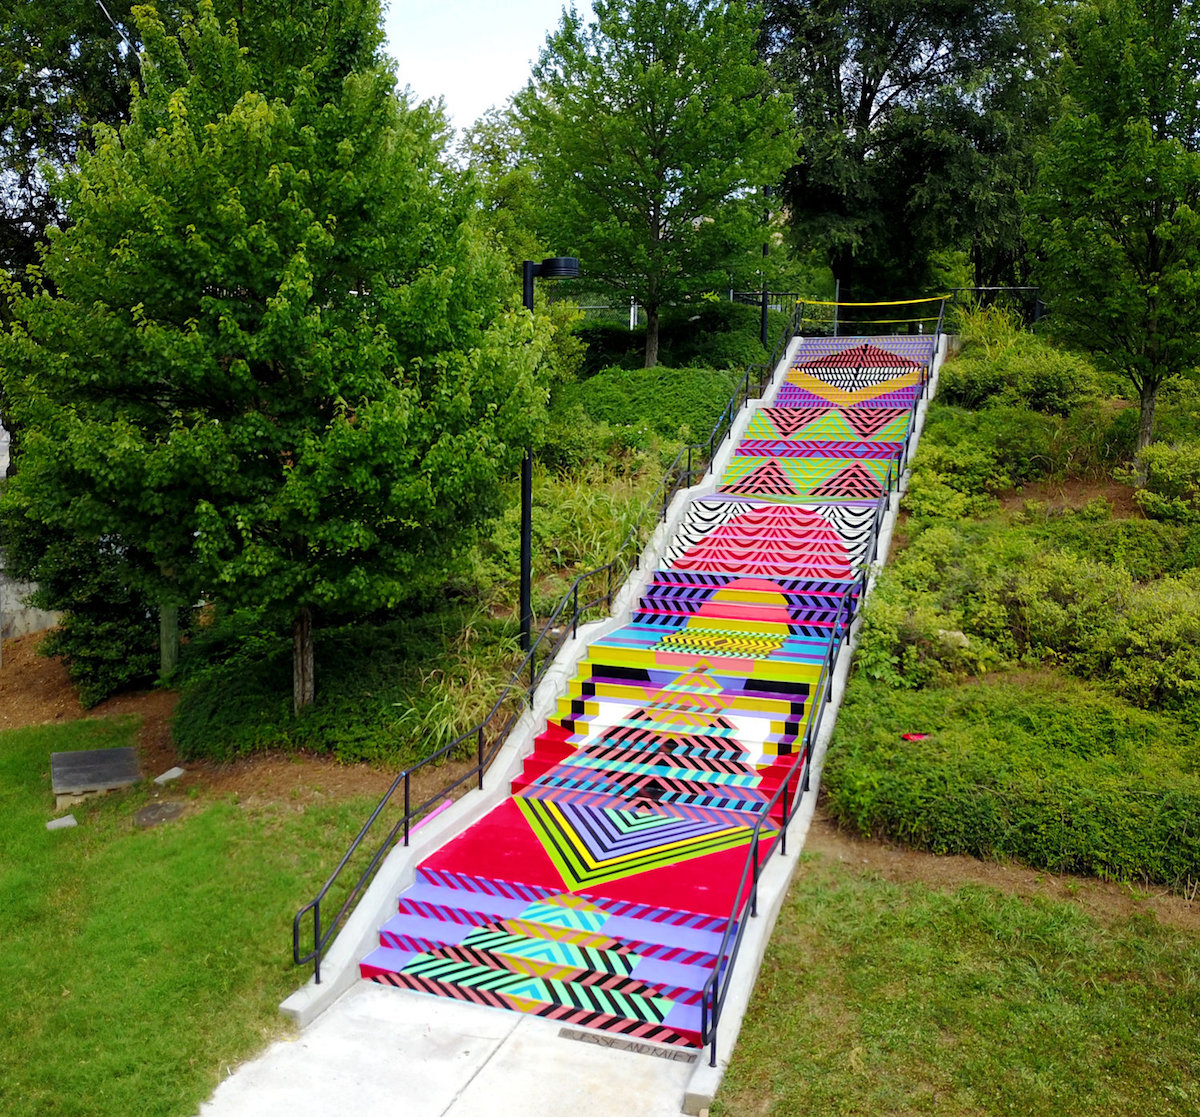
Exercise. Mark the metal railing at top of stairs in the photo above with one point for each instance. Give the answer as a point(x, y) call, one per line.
point(489, 735)
point(716, 988)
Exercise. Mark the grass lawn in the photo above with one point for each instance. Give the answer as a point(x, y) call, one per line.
point(901, 998)
point(137, 965)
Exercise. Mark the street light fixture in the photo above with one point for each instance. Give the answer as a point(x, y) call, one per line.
point(554, 267)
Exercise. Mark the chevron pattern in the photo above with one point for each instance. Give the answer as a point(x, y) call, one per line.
point(598, 893)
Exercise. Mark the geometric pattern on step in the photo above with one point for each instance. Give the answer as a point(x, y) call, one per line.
point(765, 538)
point(581, 975)
point(794, 479)
point(592, 846)
point(830, 424)
point(598, 892)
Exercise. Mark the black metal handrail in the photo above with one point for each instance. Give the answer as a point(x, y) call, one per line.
point(685, 467)
point(716, 989)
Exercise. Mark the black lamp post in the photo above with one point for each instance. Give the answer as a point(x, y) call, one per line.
point(766, 191)
point(556, 267)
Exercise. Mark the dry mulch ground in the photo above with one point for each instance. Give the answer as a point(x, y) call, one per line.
point(35, 690)
point(1059, 495)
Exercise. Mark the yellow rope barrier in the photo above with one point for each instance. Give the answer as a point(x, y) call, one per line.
point(875, 321)
point(890, 302)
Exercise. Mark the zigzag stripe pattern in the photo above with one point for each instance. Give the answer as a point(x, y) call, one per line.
point(811, 448)
point(598, 893)
point(828, 425)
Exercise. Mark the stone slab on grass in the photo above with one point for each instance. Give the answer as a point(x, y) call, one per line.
point(91, 770)
point(154, 814)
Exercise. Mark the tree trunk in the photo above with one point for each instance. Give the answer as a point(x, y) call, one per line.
point(303, 684)
point(651, 336)
point(1148, 397)
point(168, 641)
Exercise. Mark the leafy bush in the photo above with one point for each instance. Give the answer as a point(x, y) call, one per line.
point(968, 597)
point(1171, 490)
point(1059, 606)
point(1177, 410)
point(672, 403)
point(709, 333)
point(966, 457)
point(392, 690)
point(1147, 549)
point(1152, 648)
point(108, 632)
point(1001, 363)
point(1055, 774)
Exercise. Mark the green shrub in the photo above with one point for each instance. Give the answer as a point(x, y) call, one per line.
point(388, 690)
point(108, 632)
point(1060, 606)
point(1152, 649)
point(964, 458)
point(1177, 409)
point(1001, 363)
point(1147, 549)
point(675, 403)
point(1171, 490)
point(1056, 774)
point(708, 333)
point(1093, 439)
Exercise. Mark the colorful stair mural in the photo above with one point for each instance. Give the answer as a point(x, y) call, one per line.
point(599, 893)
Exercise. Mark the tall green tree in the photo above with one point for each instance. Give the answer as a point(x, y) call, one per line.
point(650, 129)
point(67, 65)
point(272, 354)
point(917, 120)
point(1115, 216)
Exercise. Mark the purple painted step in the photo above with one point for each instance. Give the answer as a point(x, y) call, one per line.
point(461, 911)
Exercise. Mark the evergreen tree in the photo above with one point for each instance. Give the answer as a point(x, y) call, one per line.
point(918, 120)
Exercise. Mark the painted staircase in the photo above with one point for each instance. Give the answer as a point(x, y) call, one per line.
point(599, 893)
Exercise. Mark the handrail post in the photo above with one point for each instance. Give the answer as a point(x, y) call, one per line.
point(754, 884)
point(317, 943)
point(406, 807)
point(479, 754)
point(575, 613)
point(783, 826)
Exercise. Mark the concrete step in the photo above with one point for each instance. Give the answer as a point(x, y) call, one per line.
point(633, 1009)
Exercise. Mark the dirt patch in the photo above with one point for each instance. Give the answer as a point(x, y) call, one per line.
point(1058, 496)
point(1101, 899)
point(35, 690)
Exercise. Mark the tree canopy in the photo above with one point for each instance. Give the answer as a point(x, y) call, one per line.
point(650, 130)
point(271, 354)
point(1115, 216)
point(917, 124)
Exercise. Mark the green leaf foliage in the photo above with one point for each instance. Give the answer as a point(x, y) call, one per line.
point(1055, 774)
point(918, 120)
point(650, 129)
point(1171, 486)
point(273, 355)
point(1115, 214)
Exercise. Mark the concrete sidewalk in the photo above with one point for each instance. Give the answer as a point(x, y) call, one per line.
point(382, 1052)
